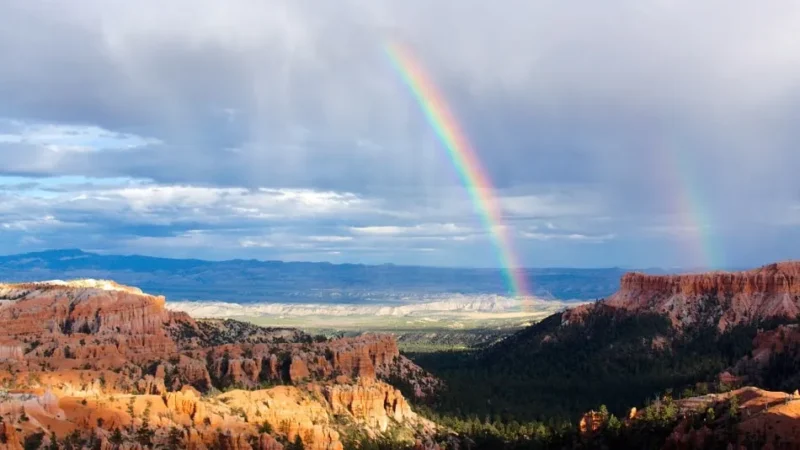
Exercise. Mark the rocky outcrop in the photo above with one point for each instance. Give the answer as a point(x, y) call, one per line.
point(65, 308)
point(591, 422)
point(186, 402)
point(369, 357)
point(13, 352)
point(267, 442)
point(376, 403)
point(742, 418)
point(421, 383)
point(231, 441)
point(784, 340)
point(99, 323)
point(722, 299)
point(194, 372)
point(362, 357)
point(291, 413)
point(150, 385)
point(298, 369)
point(96, 357)
point(234, 420)
point(756, 416)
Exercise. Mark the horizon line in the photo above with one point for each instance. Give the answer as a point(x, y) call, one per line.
point(222, 260)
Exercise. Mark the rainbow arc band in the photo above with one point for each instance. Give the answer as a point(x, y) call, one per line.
point(465, 161)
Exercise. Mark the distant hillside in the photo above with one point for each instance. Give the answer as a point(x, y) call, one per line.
point(248, 281)
point(656, 333)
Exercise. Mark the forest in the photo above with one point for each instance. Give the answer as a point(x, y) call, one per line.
point(533, 387)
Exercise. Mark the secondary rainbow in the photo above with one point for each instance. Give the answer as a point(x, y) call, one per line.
point(465, 160)
point(702, 248)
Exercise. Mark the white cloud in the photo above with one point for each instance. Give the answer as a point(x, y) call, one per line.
point(215, 204)
point(250, 243)
point(577, 237)
point(60, 138)
point(330, 238)
point(32, 224)
point(428, 229)
point(382, 230)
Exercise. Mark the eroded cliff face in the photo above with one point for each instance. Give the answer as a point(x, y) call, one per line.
point(367, 357)
point(102, 356)
point(94, 305)
point(234, 420)
point(723, 299)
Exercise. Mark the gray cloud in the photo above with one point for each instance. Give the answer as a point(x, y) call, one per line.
point(637, 121)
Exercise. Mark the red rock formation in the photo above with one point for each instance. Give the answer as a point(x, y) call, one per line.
point(760, 413)
point(231, 441)
point(590, 423)
point(150, 385)
point(194, 372)
point(12, 352)
point(121, 321)
point(784, 338)
point(9, 439)
point(186, 402)
point(38, 308)
point(778, 340)
point(722, 299)
point(373, 402)
point(96, 356)
point(729, 379)
point(267, 442)
point(298, 370)
point(270, 368)
point(368, 357)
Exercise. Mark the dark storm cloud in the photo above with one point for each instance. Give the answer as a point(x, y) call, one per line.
point(608, 120)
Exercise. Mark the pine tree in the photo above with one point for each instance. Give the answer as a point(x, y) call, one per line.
point(53, 442)
point(116, 438)
point(734, 407)
point(604, 412)
point(265, 427)
point(145, 435)
point(614, 424)
point(131, 410)
point(297, 444)
point(174, 439)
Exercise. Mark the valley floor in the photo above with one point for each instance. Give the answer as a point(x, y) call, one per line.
point(440, 325)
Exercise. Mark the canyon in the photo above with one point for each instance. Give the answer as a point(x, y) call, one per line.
point(97, 362)
point(671, 358)
point(765, 300)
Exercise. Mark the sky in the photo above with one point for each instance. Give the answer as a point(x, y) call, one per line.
point(621, 133)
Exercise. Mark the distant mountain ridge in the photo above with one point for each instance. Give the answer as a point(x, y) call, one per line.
point(252, 281)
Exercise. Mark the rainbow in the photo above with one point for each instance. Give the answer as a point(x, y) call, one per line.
point(693, 211)
point(465, 160)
